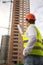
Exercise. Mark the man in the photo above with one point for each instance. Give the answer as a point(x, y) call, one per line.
point(32, 42)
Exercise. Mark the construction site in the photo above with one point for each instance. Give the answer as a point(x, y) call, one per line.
point(11, 50)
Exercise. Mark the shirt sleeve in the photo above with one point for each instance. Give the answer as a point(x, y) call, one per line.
point(20, 30)
point(32, 34)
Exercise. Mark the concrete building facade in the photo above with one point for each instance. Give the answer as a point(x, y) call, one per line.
point(20, 9)
point(4, 48)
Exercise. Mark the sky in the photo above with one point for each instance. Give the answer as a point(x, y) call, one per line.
point(36, 7)
point(4, 18)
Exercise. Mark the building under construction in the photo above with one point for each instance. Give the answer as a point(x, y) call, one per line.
point(20, 9)
point(12, 13)
point(4, 48)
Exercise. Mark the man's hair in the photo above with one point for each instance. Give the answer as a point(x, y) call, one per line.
point(31, 21)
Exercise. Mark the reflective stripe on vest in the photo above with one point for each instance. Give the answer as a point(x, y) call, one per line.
point(35, 47)
point(27, 41)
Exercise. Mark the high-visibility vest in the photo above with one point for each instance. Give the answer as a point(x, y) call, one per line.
point(38, 48)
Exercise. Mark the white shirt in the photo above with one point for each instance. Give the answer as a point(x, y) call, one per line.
point(32, 34)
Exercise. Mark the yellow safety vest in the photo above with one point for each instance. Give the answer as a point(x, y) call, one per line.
point(38, 48)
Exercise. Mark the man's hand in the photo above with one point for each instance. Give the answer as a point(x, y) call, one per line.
point(24, 56)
